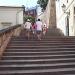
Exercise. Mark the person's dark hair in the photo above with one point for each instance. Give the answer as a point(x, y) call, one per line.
point(38, 19)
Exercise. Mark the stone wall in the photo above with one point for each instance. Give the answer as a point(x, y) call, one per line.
point(49, 15)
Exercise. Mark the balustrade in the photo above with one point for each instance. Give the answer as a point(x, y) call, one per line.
point(6, 34)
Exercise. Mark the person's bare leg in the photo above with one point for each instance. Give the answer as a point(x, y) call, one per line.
point(39, 36)
point(28, 35)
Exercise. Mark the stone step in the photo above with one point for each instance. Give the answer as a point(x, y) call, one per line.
point(37, 41)
point(23, 37)
point(38, 54)
point(36, 60)
point(38, 57)
point(36, 66)
point(35, 53)
point(43, 49)
point(44, 44)
point(34, 46)
point(44, 40)
point(47, 39)
point(37, 50)
point(52, 43)
point(51, 37)
point(40, 71)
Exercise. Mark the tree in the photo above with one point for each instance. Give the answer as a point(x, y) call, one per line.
point(42, 3)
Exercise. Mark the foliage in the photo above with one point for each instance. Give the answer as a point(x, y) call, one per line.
point(32, 19)
point(42, 3)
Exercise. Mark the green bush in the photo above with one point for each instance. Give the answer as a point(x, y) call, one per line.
point(32, 19)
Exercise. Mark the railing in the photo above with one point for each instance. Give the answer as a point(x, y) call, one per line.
point(5, 36)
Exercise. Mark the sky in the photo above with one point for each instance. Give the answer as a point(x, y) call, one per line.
point(27, 3)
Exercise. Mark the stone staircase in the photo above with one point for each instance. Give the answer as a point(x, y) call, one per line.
point(54, 32)
point(53, 55)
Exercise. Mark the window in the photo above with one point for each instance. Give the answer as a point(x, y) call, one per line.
point(74, 10)
point(67, 25)
point(67, 1)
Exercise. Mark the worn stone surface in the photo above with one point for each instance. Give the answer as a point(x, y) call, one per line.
point(52, 22)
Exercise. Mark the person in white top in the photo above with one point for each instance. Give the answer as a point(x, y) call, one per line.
point(39, 28)
point(44, 29)
point(28, 26)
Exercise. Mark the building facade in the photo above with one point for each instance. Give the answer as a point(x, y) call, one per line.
point(31, 12)
point(10, 15)
point(65, 11)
